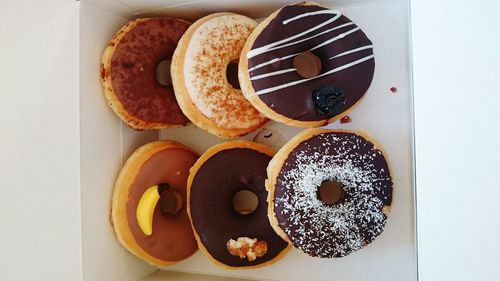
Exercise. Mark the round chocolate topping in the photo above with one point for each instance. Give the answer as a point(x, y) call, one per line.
point(335, 225)
point(171, 202)
point(307, 65)
point(344, 51)
point(214, 186)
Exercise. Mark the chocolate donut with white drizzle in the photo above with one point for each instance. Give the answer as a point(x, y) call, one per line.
point(302, 213)
point(277, 67)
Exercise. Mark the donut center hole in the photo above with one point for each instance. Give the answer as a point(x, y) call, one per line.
point(307, 64)
point(245, 202)
point(331, 192)
point(232, 75)
point(171, 202)
point(162, 72)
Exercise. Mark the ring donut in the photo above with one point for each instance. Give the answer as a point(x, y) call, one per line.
point(301, 212)
point(148, 210)
point(128, 68)
point(306, 65)
point(231, 238)
point(205, 77)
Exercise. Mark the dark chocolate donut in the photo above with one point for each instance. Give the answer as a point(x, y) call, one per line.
point(128, 73)
point(275, 75)
point(223, 234)
point(329, 229)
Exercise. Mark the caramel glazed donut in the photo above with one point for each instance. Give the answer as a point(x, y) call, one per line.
point(301, 212)
point(232, 238)
point(204, 74)
point(306, 65)
point(128, 68)
point(148, 212)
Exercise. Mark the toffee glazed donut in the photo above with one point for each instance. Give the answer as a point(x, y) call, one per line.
point(148, 212)
point(330, 191)
point(128, 73)
point(233, 237)
point(306, 65)
point(205, 75)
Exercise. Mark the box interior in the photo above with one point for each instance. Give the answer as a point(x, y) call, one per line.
point(106, 143)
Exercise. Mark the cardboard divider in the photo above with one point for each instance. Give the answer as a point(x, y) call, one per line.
point(106, 142)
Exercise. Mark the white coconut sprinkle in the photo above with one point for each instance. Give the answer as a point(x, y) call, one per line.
point(339, 229)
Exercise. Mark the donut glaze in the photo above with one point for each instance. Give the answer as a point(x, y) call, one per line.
point(172, 239)
point(313, 157)
point(199, 74)
point(128, 73)
point(217, 176)
point(271, 81)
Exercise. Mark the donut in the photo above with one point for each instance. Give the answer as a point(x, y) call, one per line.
point(330, 191)
point(149, 212)
point(306, 65)
point(128, 73)
point(233, 238)
point(205, 75)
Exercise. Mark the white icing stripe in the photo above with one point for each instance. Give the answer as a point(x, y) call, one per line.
point(275, 88)
point(271, 62)
point(352, 51)
point(348, 65)
point(257, 77)
point(340, 36)
point(265, 48)
point(310, 37)
point(321, 12)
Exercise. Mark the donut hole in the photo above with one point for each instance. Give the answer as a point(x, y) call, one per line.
point(331, 192)
point(232, 75)
point(162, 72)
point(307, 64)
point(171, 202)
point(245, 202)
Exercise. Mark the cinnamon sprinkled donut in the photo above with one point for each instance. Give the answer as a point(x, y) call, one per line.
point(128, 69)
point(204, 74)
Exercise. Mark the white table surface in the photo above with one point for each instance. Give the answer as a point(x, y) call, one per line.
point(457, 107)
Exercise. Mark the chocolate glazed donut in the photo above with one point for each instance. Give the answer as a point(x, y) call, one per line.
point(306, 65)
point(298, 209)
point(225, 236)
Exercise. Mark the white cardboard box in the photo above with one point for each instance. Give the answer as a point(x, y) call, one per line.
point(105, 142)
point(457, 191)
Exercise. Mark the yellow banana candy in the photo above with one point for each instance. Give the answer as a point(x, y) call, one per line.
point(146, 208)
